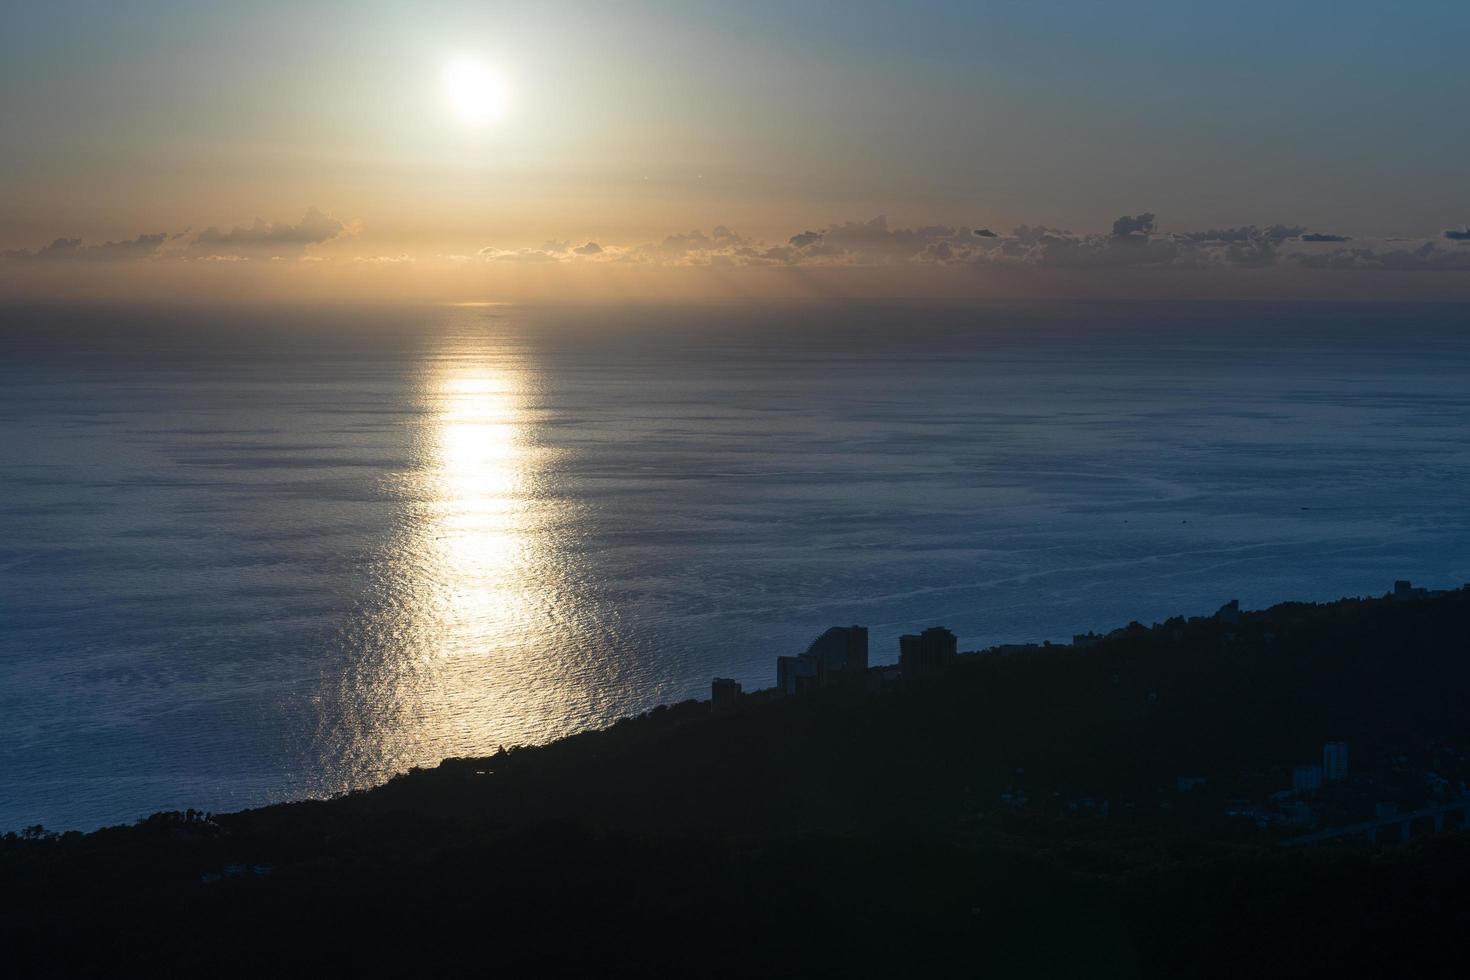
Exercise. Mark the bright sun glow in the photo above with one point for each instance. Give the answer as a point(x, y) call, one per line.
point(476, 94)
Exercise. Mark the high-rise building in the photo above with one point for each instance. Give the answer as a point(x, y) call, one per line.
point(724, 692)
point(1404, 589)
point(1306, 779)
point(795, 675)
point(927, 653)
point(838, 656)
point(1335, 761)
point(842, 655)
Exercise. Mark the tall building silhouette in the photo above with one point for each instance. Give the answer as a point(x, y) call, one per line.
point(927, 653)
point(1335, 762)
point(838, 656)
point(724, 693)
point(842, 653)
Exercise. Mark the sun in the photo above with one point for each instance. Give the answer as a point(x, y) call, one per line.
point(476, 94)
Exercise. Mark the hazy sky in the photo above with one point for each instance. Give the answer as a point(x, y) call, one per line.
point(626, 123)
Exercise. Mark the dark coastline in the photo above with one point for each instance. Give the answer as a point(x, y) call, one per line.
point(1116, 808)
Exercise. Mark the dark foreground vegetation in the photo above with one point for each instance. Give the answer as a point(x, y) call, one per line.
point(1113, 810)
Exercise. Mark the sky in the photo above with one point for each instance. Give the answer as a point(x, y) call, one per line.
point(1065, 148)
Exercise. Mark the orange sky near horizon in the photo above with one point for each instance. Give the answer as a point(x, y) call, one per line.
point(454, 150)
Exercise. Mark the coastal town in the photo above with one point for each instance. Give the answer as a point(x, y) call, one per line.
point(1301, 802)
point(1236, 768)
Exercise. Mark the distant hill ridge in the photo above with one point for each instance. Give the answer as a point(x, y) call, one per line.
point(1038, 810)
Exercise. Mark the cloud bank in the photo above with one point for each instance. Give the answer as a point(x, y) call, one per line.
point(72, 249)
point(1138, 254)
point(1134, 241)
point(260, 239)
point(314, 228)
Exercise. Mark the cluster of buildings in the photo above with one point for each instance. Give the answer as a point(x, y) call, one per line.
point(724, 692)
point(1312, 777)
point(928, 653)
point(1317, 795)
point(839, 658)
point(1294, 807)
point(1404, 589)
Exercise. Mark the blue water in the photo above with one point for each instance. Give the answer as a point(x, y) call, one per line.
point(253, 555)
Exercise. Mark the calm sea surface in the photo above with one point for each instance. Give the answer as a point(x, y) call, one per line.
point(255, 555)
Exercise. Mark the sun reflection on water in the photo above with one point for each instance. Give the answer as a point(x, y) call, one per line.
point(449, 655)
point(481, 542)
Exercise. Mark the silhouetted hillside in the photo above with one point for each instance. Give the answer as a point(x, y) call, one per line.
point(1111, 809)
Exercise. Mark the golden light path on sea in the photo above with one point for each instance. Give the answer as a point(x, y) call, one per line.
point(450, 655)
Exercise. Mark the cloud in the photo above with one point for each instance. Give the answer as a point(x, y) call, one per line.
point(1111, 251)
point(492, 254)
point(1132, 242)
point(1248, 233)
point(314, 228)
point(1142, 224)
point(563, 253)
point(694, 241)
point(1426, 257)
point(870, 240)
point(692, 248)
point(63, 249)
point(1135, 242)
point(722, 239)
point(1254, 253)
point(939, 252)
point(1032, 254)
point(403, 258)
point(1030, 235)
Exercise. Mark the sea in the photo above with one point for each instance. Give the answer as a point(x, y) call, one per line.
point(251, 554)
